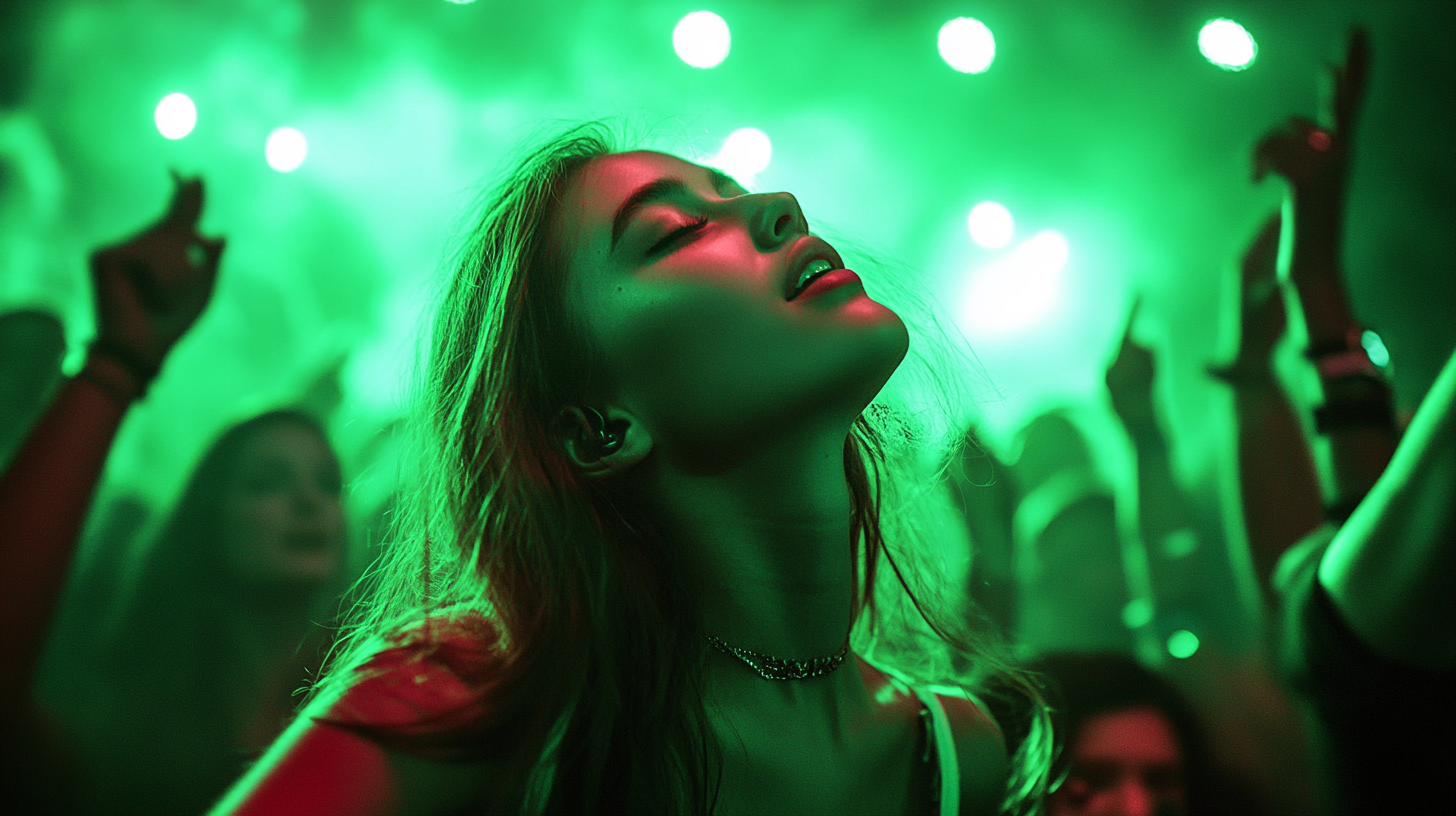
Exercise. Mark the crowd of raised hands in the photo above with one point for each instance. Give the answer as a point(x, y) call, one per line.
point(1353, 583)
point(1347, 577)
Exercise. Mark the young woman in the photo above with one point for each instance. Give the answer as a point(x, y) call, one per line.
point(650, 555)
point(173, 663)
point(189, 665)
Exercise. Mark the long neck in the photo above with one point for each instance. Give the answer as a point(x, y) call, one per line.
point(767, 544)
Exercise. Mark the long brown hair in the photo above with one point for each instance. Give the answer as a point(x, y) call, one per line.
point(595, 698)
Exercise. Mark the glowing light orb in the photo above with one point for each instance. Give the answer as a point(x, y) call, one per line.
point(1227, 44)
point(702, 39)
point(1138, 612)
point(1182, 644)
point(1019, 290)
point(175, 116)
point(745, 153)
point(1375, 348)
point(966, 45)
point(991, 225)
point(286, 149)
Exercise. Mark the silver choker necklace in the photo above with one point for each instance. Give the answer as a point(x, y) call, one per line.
point(781, 668)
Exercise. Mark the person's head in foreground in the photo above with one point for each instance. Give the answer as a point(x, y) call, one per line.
point(1131, 745)
point(646, 406)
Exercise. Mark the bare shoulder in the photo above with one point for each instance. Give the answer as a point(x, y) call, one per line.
point(979, 743)
point(328, 763)
point(980, 753)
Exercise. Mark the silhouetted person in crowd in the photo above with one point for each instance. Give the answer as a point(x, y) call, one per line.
point(1071, 582)
point(1131, 745)
point(1362, 579)
point(195, 667)
point(157, 693)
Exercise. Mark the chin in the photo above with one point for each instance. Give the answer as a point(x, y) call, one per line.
point(891, 336)
point(881, 346)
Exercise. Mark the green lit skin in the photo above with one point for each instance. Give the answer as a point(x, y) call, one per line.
point(734, 405)
point(1389, 568)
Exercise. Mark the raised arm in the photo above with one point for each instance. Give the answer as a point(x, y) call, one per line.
point(1390, 570)
point(1278, 485)
point(1163, 506)
point(148, 291)
point(1358, 411)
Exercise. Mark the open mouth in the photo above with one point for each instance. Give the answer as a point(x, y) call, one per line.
point(816, 269)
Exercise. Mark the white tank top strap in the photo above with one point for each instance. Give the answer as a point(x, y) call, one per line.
point(945, 752)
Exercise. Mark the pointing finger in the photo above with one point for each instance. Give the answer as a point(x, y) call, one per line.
point(186, 206)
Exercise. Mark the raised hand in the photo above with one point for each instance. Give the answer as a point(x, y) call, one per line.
point(1130, 381)
point(1262, 317)
point(150, 289)
point(1306, 154)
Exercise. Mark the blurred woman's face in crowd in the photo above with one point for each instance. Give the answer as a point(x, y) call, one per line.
point(688, 289)
point(282, 521)
point(1124, 763)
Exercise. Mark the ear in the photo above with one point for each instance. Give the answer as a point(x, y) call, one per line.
point(600, 443)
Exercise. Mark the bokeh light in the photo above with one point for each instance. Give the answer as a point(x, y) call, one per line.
point(1182, 644)
point(1227, 44)
point(702, 39)
point(966, 45)
point(286, 149)
point(1017, 291)
point(1136, 613)
point(745, 153)
point(1375, 348)
point(175, 116)
point(991, 225)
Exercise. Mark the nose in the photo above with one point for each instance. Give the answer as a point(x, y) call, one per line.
point(1134, 799)
point(774, 219)
point(308, 498)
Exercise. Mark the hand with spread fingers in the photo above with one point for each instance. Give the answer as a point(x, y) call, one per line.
point(150, 289)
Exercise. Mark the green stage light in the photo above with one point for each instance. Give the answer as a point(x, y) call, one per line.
point(1227, 44)
point(286, 149)
point(175, 116)
point(991, 225)
point(1137, 613)
point(966, 45)
point(1182, 644)
point(702, 39)
point(1016, 292)
point(745, 153)
point(1375, 348)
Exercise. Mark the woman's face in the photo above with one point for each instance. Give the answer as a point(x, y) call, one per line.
point(281, 518)
point(688, 290)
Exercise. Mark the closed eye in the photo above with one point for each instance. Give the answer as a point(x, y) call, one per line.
point(673, 238)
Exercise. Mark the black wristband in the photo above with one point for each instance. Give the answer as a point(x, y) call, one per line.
point(1355, 413)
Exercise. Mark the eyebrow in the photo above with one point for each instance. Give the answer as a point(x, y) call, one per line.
point(657, 190)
